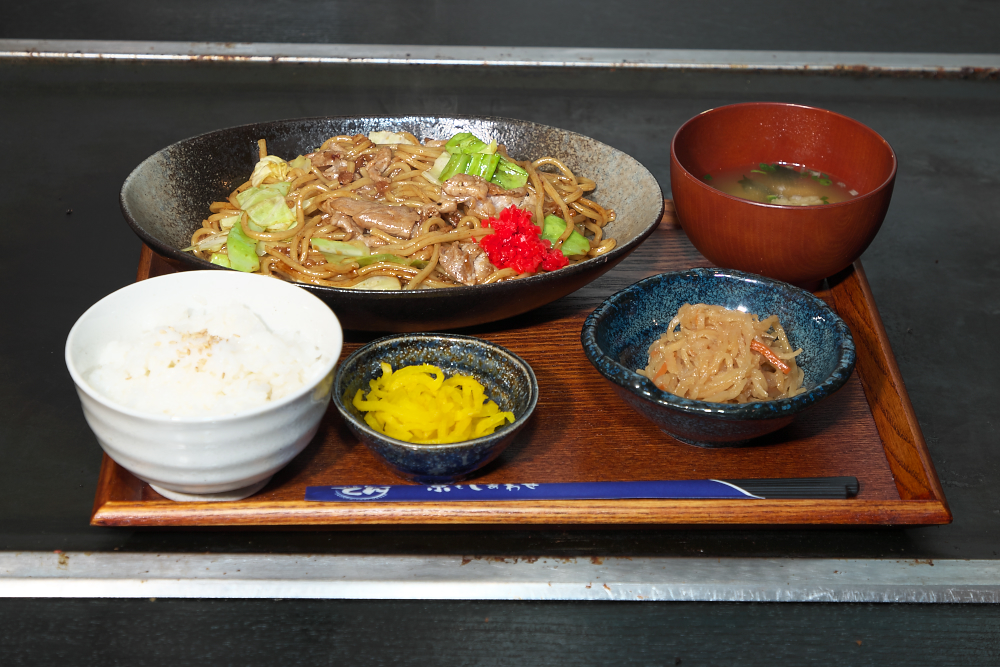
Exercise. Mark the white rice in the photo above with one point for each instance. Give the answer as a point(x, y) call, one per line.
point(200, 363)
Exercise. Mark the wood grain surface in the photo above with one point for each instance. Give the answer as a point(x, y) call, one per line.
point(582, 431)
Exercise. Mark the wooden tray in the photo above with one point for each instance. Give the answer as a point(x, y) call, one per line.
point(582, 431)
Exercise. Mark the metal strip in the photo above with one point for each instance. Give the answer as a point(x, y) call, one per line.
point(76, 574)
point(980, 65)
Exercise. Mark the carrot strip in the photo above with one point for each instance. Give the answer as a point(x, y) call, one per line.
point(772, 358)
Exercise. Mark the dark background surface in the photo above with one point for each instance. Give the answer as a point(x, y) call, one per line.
point(72, 132)
point(928, 26)
point(217, 633)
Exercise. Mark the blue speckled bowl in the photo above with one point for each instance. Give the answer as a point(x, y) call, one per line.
point(507, 378)
point(617, 335)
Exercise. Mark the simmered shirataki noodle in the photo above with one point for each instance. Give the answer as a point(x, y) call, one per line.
point(387, 211)
point(713, 354)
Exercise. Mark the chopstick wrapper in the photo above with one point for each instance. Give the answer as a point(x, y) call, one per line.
point(753, 489)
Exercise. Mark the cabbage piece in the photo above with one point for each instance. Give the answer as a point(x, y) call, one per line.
point(388, 257)
point(272, 214)
point(458, 164)
point(301, 162)
point(434, 173)
point(346, 248)
point(468, 143)
point(389, 138)
point(222, 259)
point(576, 244)
point(271, 165)
point(509, 176)
point(380, 283)
point(227, 223)
point(212, 243)
point(251, 196)
point(242, 250)
point(266, 206)
point(483, 165)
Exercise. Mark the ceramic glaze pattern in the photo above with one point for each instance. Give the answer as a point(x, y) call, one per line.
point(617, 335)
point(506, 378)
point(166, 197)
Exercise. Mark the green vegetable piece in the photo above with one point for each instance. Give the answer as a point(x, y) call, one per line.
point(554, 226)
point(273, 212)
point(242, 251)
point(346, 248)
point(221, 258)
point(226, 223)
point(467, 143)
point(772, 197)
point(757, 171)
point(825, 200)
point(251, 196)
point(265, 204)
point(825, 181)
point(396, 259)
point(768, 167)
point(383, 257)
point(509, 176)
point(458, 163)
point(301, 162)
point(785, 174)
point(454, 144)
point(380, 283)
point(707, 177)
point(337, 260)
point(756, 191)
point(434, 173)
point(483, 165)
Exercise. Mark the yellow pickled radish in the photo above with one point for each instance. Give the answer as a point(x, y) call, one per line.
point(418, 404)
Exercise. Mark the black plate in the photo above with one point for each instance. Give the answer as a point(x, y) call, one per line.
point(166, 197)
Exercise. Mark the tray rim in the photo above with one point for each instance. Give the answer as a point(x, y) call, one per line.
point(922, 500)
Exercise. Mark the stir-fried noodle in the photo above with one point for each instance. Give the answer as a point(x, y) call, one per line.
point(713, 354)
point(400, 226)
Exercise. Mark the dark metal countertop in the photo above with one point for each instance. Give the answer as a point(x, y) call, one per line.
point(74, 130)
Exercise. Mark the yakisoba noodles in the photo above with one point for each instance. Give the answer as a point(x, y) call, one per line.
point(387, 211)
point(710, 353)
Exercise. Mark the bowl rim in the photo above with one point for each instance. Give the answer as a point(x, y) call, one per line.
point(539, 279)
point(83, 385)
point(644, 388)
point(363, 426)
point(888, 182)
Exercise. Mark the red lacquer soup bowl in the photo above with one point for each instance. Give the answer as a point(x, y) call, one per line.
point(797, 244)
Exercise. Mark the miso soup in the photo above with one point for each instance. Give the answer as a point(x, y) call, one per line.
point(782, 184)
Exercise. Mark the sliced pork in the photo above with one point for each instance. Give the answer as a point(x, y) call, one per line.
point(399, 221)
point(439, 209)
point(465, 262)
point(467, 189)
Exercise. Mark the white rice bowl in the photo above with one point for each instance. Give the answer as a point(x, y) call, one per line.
point(204, 383)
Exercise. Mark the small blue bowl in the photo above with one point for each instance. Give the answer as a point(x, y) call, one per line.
point(617, 335)
point(507, 379)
